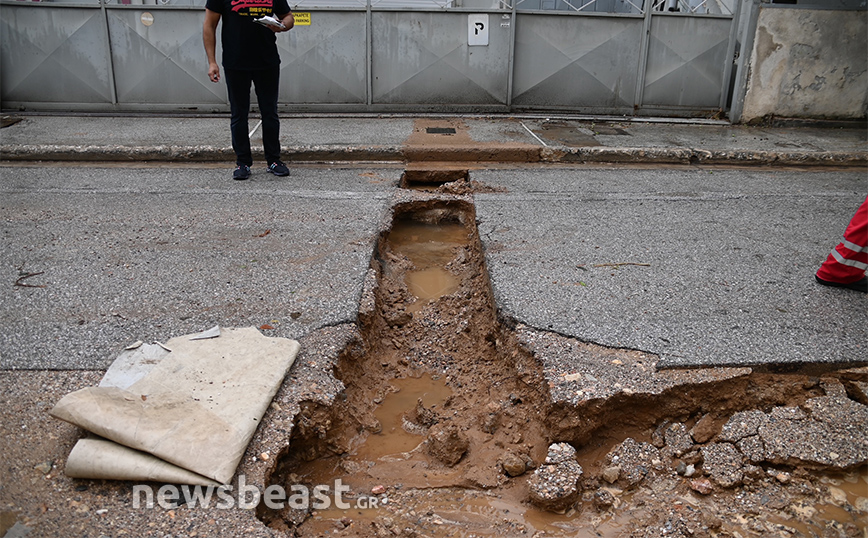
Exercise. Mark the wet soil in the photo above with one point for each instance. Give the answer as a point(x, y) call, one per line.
point(447, 411)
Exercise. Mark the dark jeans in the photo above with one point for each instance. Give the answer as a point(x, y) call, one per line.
point(265, 82)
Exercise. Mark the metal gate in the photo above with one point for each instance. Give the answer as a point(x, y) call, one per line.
point(592, 56)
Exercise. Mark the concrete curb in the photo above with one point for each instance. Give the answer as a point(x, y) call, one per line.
point(502, 154)
point(678, 155)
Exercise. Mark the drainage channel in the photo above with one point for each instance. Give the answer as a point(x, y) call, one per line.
point(447, 418)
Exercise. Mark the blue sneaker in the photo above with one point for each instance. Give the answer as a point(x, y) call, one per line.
point(242, 171)
point(278, 169)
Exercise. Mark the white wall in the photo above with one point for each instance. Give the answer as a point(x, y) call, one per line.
point(808, 63)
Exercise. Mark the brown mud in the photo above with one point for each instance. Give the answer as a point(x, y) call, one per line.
point(445, 415)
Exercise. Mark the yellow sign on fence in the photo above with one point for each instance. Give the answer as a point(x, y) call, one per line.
point(301, 19)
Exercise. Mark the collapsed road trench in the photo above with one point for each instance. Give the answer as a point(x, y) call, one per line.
point(448, 416)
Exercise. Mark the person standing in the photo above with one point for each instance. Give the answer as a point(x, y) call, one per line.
point(249, 57)
point(846, 264)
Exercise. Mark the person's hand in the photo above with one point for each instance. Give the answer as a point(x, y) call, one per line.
point(288, 22)
point(214, 72)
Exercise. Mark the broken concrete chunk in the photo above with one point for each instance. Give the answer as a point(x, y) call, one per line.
point(788, 413)
point(823, 439)
point(723, 463)
point(743, 424)
point(554, 486)
point(635, 460)
point(678, 440)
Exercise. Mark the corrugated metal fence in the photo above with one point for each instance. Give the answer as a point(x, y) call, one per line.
point(593, 56)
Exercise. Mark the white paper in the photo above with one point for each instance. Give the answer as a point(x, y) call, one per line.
point(268, 20)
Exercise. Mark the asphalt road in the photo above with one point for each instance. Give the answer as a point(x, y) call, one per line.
point(130, 254)
point(723, 274)
point(724, 261)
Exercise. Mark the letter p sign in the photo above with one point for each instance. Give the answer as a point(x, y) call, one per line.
point(477, 30)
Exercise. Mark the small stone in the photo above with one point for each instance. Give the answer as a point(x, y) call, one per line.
point(681, 468)
point(658, 438)
point(704, 429)
point(264, 456)
point(603, 499)
point(378, 490)
point(490, 423)
point(635, 460)
point(782, 477)
point(753, 472)
point(559, 453)
point(834, 455)
point(44, 467)
point(447, 444)
point(611, 474)
point(514, 465)
point(743, 424)
point(702, 485)
point(690, 471)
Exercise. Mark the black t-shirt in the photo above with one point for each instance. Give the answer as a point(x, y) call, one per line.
point(246, 44)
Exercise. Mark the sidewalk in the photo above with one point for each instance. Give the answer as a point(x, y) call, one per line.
point(526, 139)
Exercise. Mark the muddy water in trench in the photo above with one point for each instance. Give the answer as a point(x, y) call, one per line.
point(429, 247)
point(435, 360)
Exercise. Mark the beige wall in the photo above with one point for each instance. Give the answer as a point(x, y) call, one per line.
point(808, 63)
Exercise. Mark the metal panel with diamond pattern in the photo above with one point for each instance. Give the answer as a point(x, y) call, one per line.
point(54, 55)
point(162, 61)
point(424, 58)
point(582, 62)
point(686, 60)
point(324, 62)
